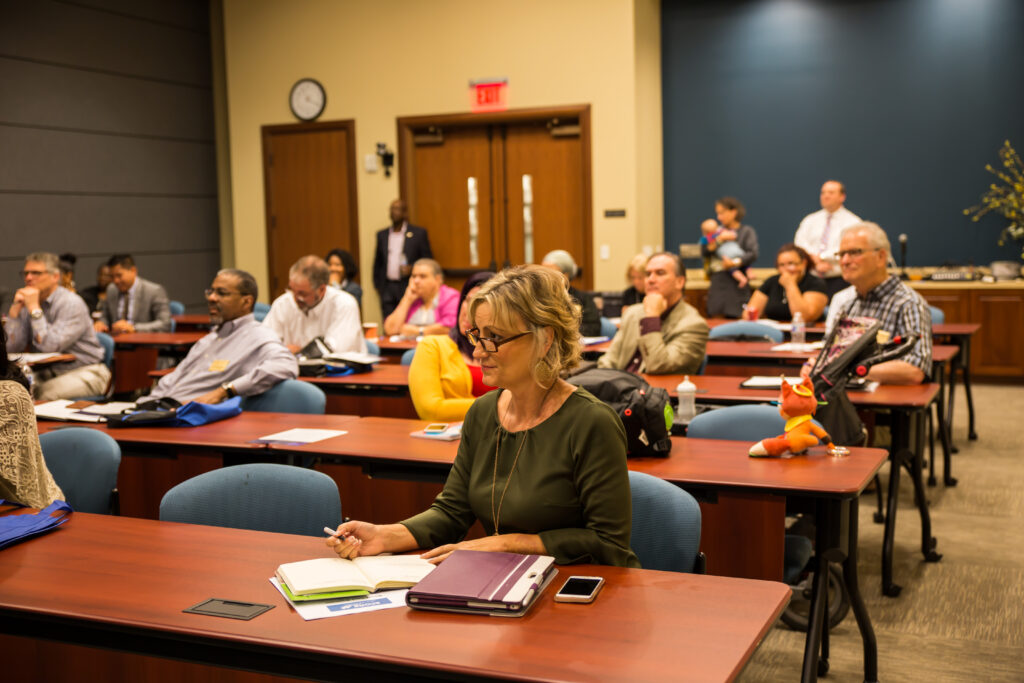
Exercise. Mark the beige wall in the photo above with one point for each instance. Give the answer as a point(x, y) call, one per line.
point(388, 58)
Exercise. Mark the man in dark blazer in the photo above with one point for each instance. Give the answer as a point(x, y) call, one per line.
point(133, 304)
point(398, 247)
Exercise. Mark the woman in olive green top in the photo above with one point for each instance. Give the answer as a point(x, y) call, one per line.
point(541, 464)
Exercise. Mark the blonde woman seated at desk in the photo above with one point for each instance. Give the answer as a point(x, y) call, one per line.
point(541, 463)
point(794, 290)
point(24, 477)
point(444, 378)
point(428, 306)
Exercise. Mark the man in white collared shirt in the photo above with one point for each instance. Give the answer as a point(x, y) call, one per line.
point(819, 232)
point(311, 309)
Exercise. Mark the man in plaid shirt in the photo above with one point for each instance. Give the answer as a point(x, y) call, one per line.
point(863, 256)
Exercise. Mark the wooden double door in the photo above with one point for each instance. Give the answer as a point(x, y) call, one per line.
point(500, 189)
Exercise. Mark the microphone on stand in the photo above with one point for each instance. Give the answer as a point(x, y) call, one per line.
point(903, 256)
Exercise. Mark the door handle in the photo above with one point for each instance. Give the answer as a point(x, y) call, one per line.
point(527, 218)
point(474, 228)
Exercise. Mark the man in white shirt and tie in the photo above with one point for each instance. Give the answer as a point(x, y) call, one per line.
point(819, 232)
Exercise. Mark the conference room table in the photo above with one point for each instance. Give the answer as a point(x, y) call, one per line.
point(136, 353)
point(388, 474)
point(102, 598)
point(192, 322)
point(908, 406)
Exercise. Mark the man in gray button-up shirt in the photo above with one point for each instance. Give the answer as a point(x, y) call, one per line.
point(46, 318)
point(240, 357)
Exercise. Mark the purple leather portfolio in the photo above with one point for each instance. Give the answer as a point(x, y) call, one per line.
point(475, 582)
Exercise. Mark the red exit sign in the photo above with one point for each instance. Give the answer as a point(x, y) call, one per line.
point(489, 95)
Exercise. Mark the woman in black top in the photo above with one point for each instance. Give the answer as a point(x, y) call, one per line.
point(725, 296)
point(794, 290)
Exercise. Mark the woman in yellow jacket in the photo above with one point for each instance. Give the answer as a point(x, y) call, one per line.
point(444, 379)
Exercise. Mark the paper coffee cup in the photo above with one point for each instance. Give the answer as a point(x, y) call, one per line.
point(370, 330)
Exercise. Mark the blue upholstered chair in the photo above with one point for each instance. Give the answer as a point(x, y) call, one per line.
point(747, 328)
point(177, 308)
point(260, 311)
point(407, 357)
point(608, 328)
point(84, 463)
point(666, 525)
point(289, 396)
point(372, 347)
point(938, 315)
point(748, 422)
point(260, 496)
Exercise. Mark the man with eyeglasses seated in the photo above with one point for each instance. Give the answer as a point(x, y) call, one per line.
point(311, 309)
point(46, 318)
point(239, 357)
point(663, 334)
point(863, 257)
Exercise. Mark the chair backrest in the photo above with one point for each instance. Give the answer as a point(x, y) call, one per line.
point(407, 357)
point(84, 463)
point(289, 396)
point(372, 347)
point(260, 496)
point(260, 310)
point(666, 524)
point(177, 308)
point(608, 328)
point(747, 328)
point(740, 423)
point(938, 315)
point(107, 342)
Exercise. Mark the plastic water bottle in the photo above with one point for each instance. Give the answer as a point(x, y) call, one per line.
point(798, 332)
point(687, 407)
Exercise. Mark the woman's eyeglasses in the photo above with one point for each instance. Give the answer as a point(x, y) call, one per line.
point(490, 344)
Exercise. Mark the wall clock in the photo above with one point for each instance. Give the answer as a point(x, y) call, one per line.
point(307, 99)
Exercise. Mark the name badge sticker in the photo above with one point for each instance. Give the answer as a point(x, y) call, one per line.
point(219, 365)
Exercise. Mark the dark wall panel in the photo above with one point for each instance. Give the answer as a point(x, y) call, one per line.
point(56, 161)
point(38, 95)
point(903, 100)
point(86, 38)
point(106, 136)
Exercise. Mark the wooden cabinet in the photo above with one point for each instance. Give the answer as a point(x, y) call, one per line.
point(997, 352)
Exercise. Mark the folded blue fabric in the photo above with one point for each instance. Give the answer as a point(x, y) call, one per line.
point(189, 415)
point(15, 528)
point(195, 414)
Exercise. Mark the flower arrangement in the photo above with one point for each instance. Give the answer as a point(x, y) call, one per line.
point(1007, 198)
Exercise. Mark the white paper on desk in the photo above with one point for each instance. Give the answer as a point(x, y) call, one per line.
point(58, 410)
point(774, 324)
point(799, 348)
point(302, 435)
point(768, 382)
point(590, 341)
point(30, 357)
point(112, 408)
point(340, 608)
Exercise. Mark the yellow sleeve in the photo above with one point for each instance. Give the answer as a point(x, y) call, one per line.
point(439, 381)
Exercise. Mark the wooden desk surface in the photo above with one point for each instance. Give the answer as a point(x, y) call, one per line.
point(382, 375)
point(236, 433)
point(197, 319)
point(158, 338)
point(132, 578)
point(727, 389)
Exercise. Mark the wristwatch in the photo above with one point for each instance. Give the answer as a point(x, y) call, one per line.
point(229, 389)
point(36, 314)
point(421, 330)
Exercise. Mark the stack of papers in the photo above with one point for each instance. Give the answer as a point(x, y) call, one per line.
point(60, 410)
point(590, 341)
point(294, 437)
point(30, 358)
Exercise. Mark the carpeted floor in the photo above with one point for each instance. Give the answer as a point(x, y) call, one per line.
point(962, 618)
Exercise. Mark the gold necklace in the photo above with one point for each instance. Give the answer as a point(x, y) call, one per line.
point(496, 514)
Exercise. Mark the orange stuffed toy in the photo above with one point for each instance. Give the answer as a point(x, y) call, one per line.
point(797, 406)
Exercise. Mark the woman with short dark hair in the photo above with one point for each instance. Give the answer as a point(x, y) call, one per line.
point(725, 295)
point(794, 290)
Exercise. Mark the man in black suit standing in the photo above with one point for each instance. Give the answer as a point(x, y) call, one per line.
point(398, 247)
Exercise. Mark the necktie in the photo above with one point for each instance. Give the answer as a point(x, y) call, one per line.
point(824, 234)
point(124, 307)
